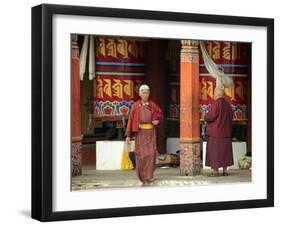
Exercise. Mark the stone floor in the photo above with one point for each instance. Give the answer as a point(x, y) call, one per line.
point(164, 177)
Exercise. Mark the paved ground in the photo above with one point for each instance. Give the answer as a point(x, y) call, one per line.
point(96, 179)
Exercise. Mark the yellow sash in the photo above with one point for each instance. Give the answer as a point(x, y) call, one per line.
point(146, 126)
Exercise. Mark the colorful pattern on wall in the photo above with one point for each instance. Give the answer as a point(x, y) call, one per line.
point(233, 58)
point(120, 70)
point(173, 58)
point(174, 100)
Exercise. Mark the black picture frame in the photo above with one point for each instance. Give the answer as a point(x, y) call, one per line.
point(42, 111)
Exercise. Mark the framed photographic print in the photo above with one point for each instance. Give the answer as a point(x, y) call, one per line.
point(145, 112)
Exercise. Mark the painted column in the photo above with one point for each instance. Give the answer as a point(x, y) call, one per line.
point(76, 154)
point(190, 162)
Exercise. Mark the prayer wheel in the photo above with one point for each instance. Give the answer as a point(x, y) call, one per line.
point(119, 71)
point(234, 59)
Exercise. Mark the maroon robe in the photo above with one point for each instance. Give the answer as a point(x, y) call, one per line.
point(219, 134)
point(145, 142)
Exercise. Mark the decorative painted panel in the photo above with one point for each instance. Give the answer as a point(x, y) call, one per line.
point(120, 70)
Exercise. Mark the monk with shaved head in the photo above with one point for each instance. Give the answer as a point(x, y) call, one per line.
point(219, 134)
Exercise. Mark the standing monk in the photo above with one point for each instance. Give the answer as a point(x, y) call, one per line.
point(145, 115)
point(219, 135)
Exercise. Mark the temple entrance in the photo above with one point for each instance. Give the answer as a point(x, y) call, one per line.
point(180, 84)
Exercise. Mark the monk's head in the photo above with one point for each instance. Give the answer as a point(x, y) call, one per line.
point(144, 92)
point(219, 93)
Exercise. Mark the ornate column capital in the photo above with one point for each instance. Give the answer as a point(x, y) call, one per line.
point(188, 43)
point(74, 46)
point(190, 51)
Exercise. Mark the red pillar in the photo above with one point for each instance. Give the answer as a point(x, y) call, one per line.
point(76, 155)
point(190, 162)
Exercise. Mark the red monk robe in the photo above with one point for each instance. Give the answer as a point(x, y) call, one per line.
point(140, 126)
point(219, 134)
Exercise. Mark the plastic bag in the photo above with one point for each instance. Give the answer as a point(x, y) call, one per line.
point(245, 162)
point(126, 163)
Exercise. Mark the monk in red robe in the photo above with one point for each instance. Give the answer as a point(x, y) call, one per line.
point(144, 117)
point(219, 134)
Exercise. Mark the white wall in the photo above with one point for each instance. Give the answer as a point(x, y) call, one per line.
point(15, 111)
